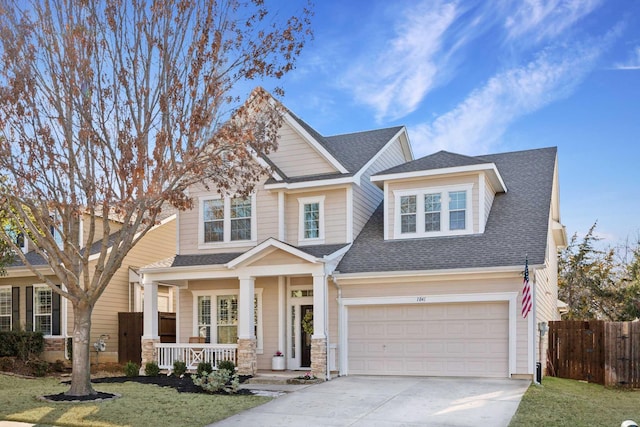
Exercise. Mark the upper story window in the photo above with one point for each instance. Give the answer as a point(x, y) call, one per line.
point(5, 308)
point(436, 211)
point(227, 220)
point(311, 224)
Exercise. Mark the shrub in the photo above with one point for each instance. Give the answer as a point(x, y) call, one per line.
point(151, 369)
point(59, 366)
point(179, 368)
point(131, 369)
point(7, 364)
point(221, 379)
point(38, 367)
point(228, 365)
point(24, 345)
point(204, 367)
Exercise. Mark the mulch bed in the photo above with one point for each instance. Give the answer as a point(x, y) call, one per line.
point(182, 385)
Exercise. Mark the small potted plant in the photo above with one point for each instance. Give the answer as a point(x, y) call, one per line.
point(277, 361)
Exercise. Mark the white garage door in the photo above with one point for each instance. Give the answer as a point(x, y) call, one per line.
point(466, 339)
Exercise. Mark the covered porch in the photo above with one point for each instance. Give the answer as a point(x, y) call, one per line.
point(271, 301)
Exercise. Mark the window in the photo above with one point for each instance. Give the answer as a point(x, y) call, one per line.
point(5, 308)
point(227, 220)
point(214, 220)
point(432, 207)
point(311, 224)
point(42, 309)
point(220, 326)
point(457, 209)
point(444, 211)
point(240, 219)
point(17, 237)
point(408, 214)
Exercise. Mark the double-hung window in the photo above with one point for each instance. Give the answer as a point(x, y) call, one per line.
point(227, 220)
point(408, 212)
point(217, 316)
point(436, 211)
point(42, 309)
point(432, 210)
point(311, 224)
point(5, 308)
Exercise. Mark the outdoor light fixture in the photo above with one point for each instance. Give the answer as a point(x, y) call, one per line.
point(542, 328)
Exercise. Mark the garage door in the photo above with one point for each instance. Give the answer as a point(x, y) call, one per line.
point(466, 339)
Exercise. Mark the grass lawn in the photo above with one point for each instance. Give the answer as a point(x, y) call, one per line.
point(140, 405)
point(560, 402)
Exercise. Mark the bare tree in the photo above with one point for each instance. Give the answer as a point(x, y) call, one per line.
point(112, 108)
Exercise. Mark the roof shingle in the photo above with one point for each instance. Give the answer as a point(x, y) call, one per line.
point(517, 227)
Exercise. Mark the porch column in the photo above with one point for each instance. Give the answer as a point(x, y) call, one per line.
point(319, 337)
point(247, 358)
point(150, 325)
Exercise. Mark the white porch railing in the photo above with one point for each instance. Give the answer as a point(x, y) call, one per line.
point(193, 354)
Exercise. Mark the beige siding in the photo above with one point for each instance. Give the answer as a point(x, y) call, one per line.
point(296, 157)
point(335, 215)
point(156, 245)
point(415, 286)
point(433, 182)
point(266, 215)
point(367, 196)
point(489, 195)
point(98, 228)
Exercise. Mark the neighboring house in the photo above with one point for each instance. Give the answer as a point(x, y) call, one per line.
point(28, 304)
point(354, 258)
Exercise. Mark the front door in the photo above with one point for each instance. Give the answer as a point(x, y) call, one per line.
point(306, 330)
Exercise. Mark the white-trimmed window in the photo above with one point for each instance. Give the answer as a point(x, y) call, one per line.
point(437, 211)
point(42, 309)
point(311, 220)
point(217, 316)
point(228, 220)
point(5, 308)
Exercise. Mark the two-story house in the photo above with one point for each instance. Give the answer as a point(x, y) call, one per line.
point(28, 304)
point(354, 258)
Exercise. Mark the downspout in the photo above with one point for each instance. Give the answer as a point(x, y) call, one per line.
point(339, 301)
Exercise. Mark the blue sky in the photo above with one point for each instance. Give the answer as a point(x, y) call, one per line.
point(477, 77)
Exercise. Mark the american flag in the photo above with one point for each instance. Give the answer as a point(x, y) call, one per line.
point(526, 291)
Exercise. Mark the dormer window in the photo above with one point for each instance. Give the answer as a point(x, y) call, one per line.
point(437, 211)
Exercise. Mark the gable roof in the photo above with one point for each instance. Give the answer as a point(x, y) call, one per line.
point(517, 226)
point(351, 150)
point(442, 162)
point(317, 251)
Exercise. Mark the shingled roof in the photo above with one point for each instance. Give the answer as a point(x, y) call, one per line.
point(439, 160)
point(317, 251)
point(352, 150)
point(517, 225)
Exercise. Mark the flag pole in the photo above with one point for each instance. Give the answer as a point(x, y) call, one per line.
point(534, 323)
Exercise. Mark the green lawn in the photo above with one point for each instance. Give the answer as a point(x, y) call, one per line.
point(140, 405)
point(559, 402)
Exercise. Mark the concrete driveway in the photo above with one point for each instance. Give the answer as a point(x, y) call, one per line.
point(391, 401)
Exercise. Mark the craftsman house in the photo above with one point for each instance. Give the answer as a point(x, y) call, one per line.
point(28, 304)
point(351, 257)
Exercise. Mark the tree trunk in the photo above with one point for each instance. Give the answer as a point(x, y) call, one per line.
point(81, 368)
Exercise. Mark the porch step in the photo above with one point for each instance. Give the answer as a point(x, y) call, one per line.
point(271, 377)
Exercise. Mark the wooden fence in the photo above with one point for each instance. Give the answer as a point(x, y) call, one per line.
point(596, 351)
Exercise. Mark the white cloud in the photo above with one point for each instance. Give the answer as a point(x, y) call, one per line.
point(633, 63)
point(476, 124)
point(397, 80)
point(545, 19)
